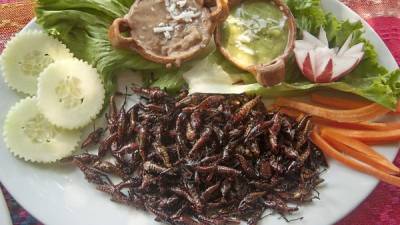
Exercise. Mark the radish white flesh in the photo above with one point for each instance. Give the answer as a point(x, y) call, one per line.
point(322, 64)
point(355, 50)
point(342, 65)
point(322, 37)
point(312, 40)
point(323, 56)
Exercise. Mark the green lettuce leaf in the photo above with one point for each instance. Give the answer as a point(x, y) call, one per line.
point(83, 26)
point(171, 81)
point(308, 14)
point(208, 77)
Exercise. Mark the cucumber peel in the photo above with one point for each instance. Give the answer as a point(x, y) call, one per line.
point(29, 135)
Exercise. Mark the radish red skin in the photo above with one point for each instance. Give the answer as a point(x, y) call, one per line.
point(340, 62)
point(326, 76)
point(307, 69)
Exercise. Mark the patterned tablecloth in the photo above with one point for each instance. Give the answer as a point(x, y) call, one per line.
point(382, 207)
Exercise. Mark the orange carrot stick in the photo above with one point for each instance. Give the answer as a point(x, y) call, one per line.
point(361, 152)
point(352, 163)
point(363, 114)
point(368, 136)
point(353, 143)
point(340, 103)
point(359, 126)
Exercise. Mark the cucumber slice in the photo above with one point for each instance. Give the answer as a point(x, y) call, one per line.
point(26, 56)
point(70, 93)
point(29, 135)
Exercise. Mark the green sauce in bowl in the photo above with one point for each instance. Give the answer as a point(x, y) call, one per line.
point(256, 32)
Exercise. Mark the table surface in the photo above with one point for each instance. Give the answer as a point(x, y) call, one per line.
point(381, 207)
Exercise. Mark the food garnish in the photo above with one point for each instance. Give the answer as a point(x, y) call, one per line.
point(168, 31)
point(321, 64)
point(26, 56)
point(207, 158)
point(348, 141)
point(360, 151)
point(368, 136)
point(204, 159)
point(366, 113)
point(70, 93)
point(30, 136)
point(338, 102)
point(258, 36)
point(93, 18)
point(353, 163)
point(207, 77)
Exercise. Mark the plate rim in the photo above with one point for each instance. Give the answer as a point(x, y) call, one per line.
point(5, 216)
point(348, 11)
point(366, 24)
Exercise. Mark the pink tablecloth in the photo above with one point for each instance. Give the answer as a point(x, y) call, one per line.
point(382, 207)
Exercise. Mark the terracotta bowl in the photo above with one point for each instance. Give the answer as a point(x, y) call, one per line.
point(218, 12)
point(266, 74)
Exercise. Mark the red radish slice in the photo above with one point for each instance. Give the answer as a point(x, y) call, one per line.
point(321, 64)
point(326, 75)
point(307, 70)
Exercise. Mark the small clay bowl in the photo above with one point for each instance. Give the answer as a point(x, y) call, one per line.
point(212, 12)
point(272, 73)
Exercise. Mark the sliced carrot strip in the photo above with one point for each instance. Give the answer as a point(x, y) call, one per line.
point(378, 126)
point(336, 102)
point(368, 136)
point(362, 152)
point(359, 126)
point(363, 114)
point(352, 163)
point(353, 143)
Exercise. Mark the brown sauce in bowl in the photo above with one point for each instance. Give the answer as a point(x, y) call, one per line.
point(167, 31)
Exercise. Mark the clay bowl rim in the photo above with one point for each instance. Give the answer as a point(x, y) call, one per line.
point(292, 34)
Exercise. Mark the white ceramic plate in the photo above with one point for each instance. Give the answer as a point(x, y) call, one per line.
point(60, 196)
point(4, 213)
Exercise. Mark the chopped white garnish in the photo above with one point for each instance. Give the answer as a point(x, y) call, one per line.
point(245, 49)
point(167, 35)
point(186, 15)
point(181, 3)
point(163, 29)
point(244, 38)
point(179, 11)
point(172, 8)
